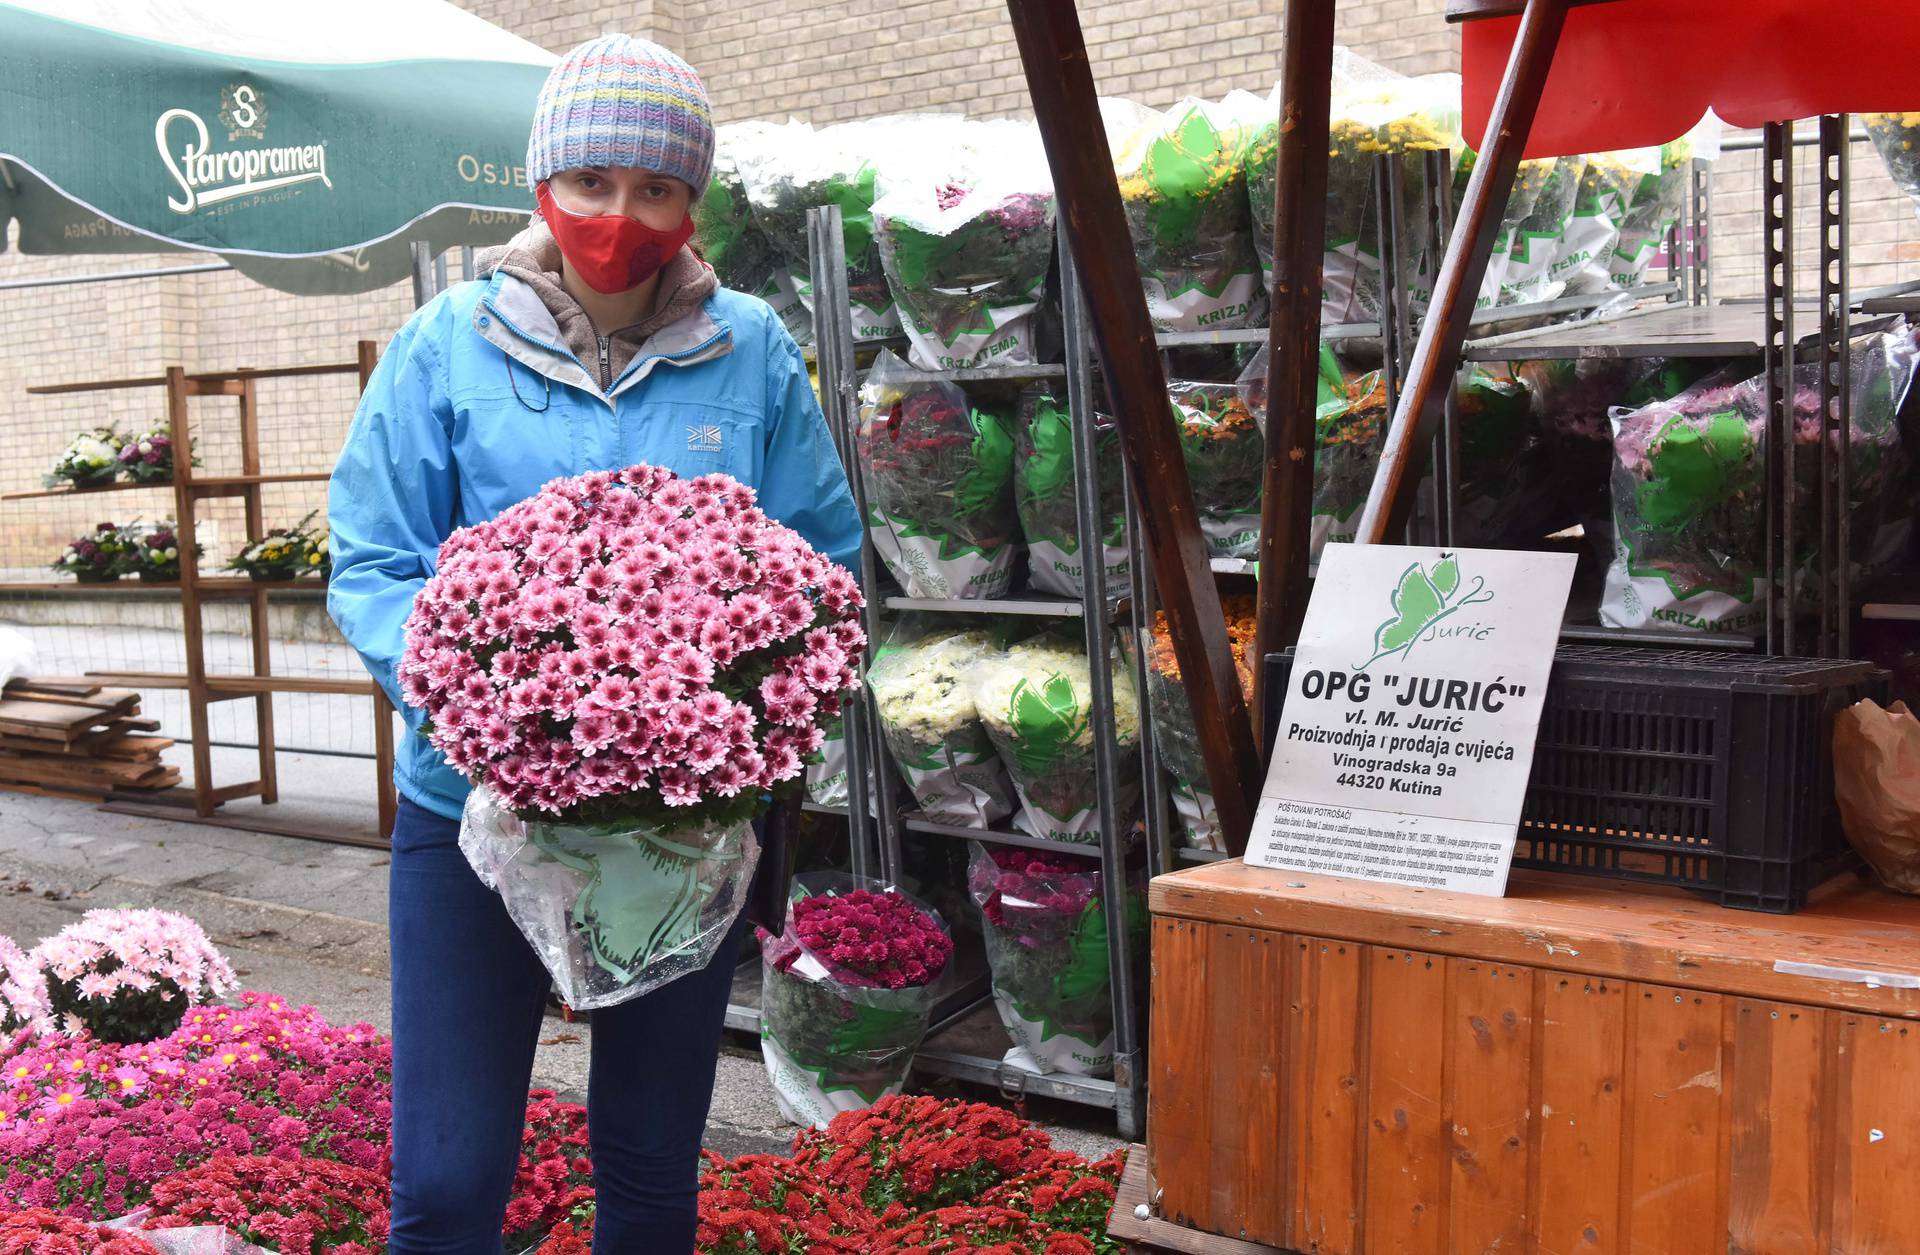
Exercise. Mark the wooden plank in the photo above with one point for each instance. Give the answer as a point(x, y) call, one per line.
point(54, 687)
point(1053, 52)
point(107, 744)
point(1489, 1034)
point(1778, 1153)
point(1580, 1044)
point(1406, 1132)
point(85, 771)
point(1594, 927)
point(59, 718)
point(1876, 1142)
point(1177, 1101)
point(1154, 1234)
point(1245, 1070)
point(1670, 1200)
point(1331, 1164)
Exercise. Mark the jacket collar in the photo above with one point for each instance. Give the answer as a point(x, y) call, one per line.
point(512, 316)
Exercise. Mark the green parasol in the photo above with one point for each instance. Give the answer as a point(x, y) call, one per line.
point(307, 145)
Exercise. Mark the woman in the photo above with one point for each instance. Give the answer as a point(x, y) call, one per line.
point(595, 340)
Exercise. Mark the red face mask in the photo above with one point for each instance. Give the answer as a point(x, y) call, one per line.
point(610, 252)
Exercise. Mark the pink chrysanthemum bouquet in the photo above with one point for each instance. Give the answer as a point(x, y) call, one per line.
point(625, 666)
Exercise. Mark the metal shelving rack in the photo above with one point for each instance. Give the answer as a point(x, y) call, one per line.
point(890, 821)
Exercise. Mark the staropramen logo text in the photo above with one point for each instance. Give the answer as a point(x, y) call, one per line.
point(208, 175)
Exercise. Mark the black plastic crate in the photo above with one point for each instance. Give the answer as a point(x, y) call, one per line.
point(1707, 770)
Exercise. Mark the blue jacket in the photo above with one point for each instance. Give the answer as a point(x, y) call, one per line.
point(477, 403)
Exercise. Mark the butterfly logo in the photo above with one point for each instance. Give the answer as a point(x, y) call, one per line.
point(1422, 599)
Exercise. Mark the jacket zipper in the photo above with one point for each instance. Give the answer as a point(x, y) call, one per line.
point(606, 366)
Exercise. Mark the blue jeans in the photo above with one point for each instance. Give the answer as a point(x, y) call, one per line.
point(468, 998)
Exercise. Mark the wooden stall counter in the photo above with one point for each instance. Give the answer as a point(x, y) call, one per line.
point(1584, 1066)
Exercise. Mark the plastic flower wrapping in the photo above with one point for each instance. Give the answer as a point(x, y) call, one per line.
point(1689, 491)
point(41, 1231)
point(1505, 494)
point(930, 724)
point(1184, 188)
point(127, 975)
point(743, 256)
point(1224, 444)
point(1897, 137)
point(1374, 111)
point(624, 665)
point(1176, 740)
point(1540, 231)
point(1572, 399)
point(1043, 495)
point(846, 992)
point(938, 473)
point(1035, 699)
point(1350, 427)
point(1045, 926)
point(966, 240)
point(90, 459)
point(802, 169)
point(105, 553)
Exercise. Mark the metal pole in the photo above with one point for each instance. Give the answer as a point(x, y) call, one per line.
point(833, 346)
point(1437, 356)
point(1836, 399)
point(423, 289)
point(1060, 80)
point(112, 276)
point(1438, 175)
point(1293, 336)
point(1777, 243)
point(854, 730)
point(1699, 245)
point(1106, 750)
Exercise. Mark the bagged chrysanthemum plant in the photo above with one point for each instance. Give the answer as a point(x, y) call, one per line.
point(128, 975)
point(1043, 495)
point(1044, 920)
point(846, 991)
point(939, 479)
point(625, 666)
point(1689, 491)
point(927, 716)
point(1184, 189)
point(1176, 739)
point(1035, 700)
point(966, 240)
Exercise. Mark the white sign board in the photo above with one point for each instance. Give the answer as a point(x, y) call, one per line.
point(1403, 750)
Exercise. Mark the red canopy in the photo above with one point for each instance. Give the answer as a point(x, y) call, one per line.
point(1635, 73)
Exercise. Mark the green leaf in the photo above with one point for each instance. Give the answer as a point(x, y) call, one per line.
point(1446, 576)
point(1416, 604)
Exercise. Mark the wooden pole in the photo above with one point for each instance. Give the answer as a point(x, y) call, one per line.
point(258, 624)
point(1436, 358)
point(1060, 80)
point(1293, 338)
point(367, 355)
point(186, 530)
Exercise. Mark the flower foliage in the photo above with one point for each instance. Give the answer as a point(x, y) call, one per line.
point(129, 975)
point(296, 1206)
point(632, 644)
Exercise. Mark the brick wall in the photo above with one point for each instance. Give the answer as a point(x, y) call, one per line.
point(823, 62)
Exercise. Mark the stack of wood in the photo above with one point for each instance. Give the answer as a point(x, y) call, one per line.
point(70, 738)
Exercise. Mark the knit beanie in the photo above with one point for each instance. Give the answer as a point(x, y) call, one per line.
point(621, 101)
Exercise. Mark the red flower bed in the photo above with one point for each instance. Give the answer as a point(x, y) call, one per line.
point(295, 1206)
point(921, 1154)
point(999, 1230)
point(38, 1231)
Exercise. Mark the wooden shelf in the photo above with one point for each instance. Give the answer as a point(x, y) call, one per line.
point(217, 585)
point(244, 481)
point(240, 685)
point(118, 485)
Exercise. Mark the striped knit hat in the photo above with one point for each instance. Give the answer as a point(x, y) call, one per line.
point(621, 101)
